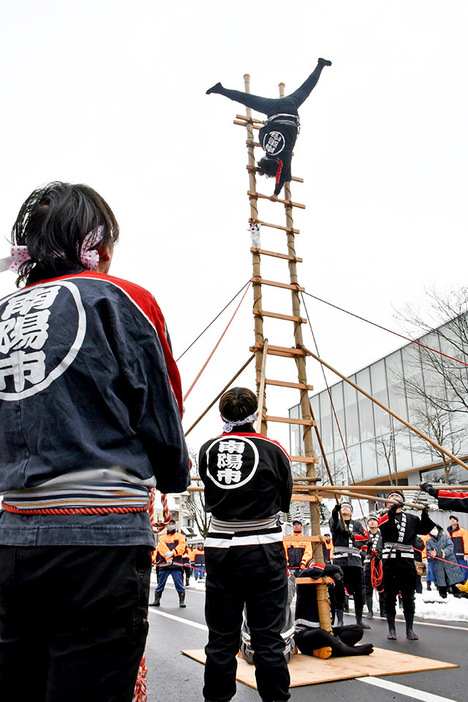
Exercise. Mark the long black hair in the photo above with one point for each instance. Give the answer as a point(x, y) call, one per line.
point(267, 166)
point(53, 222)
point(237, 403)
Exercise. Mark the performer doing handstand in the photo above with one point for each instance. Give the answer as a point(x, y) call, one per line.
point(279, 133)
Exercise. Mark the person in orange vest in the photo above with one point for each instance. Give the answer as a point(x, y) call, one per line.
point(298, 553)
point(199, 562)
point(327, 548)
point(169, 552)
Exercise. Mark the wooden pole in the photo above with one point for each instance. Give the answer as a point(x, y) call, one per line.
point(379, 488)
point(256, 286)
point(261, 390)
point(373, 498)
point(386, 409)
point(309, 452)
point(226, 387)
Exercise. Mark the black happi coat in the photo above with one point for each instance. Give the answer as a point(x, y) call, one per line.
point(277, 138)
point(352, 537)
point(246, 476)
point(390, 525)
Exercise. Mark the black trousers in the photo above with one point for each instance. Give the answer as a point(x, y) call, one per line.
point(73, 622)
point(352, 581)
point(258, 579)
point(273, 106)
point(309, 640)
point(399, 576)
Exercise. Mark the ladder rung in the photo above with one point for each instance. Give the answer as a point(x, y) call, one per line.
point(257, 280)
point(287, 352)
point(291, 420)
point(244, 124)
point(253, 169)
point(290, 230)
point(290, 203)
point(249, 119)
point(305, 459)
point(303, 538)
point(249, 142)
point(285, 384)
point(277, 315)
point(313, 581)
point(286, 257)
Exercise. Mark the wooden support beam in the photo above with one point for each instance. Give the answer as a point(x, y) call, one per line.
point(289, 230)
point(277, 315)
point(303, 538)
point(306, 498)
point(291, 420)
point(275, 254)
point(304, 459)
point(287, 384)
point(313, 581)
point(288, 203)
point(244, 124)
point(258, 280)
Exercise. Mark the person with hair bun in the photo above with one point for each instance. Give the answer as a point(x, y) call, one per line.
point(90, 421)
point(248, 482)
point(279, 133)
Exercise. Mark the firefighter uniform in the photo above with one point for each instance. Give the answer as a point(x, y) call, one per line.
point(247, 481)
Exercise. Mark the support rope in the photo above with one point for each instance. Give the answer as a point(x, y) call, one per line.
point(212, 322)
point(217, 344)
point(390, 331)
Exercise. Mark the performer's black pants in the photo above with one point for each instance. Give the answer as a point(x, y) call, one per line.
point(311, 639)
point(73, 622)
point(274, 106)
point(399, 575)
point(352, 581)
point(259, 580)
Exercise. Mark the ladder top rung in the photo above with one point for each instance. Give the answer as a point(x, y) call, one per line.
point(245, 124)
point(258, 280)
point(291, 420)
point(275, 254)
point(277, 315)
point(249, 119)
point(286, 384)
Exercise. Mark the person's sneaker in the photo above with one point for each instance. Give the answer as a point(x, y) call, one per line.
point(214, 89)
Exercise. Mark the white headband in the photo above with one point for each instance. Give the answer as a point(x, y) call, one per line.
point(229, 425)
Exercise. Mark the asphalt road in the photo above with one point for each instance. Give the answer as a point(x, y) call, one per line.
point(175, 677)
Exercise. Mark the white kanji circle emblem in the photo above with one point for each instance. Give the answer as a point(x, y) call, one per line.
point(234, 461)
point(26, 319)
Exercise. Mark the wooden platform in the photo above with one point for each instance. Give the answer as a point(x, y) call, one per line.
point(307, 670)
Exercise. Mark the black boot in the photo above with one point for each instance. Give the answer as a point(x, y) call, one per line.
point(409, 628)
point(157, 599)
point(391, 628)
point(370, 613)
point(339, 617)
point(359, 621)
point(182, 599)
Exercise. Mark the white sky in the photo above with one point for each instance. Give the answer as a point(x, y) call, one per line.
point(112, 94)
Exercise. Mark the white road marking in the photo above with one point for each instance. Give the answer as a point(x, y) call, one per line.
point(405, 690)
point(196, 625)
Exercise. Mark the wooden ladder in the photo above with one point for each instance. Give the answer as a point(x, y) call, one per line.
point(263, 349)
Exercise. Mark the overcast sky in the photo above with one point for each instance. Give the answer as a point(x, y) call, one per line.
point(112, 94)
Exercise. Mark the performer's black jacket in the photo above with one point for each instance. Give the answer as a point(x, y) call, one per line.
point(351, 536)
point(307, 614)
point(414, 526)
point(277, 138)
point(255, 485)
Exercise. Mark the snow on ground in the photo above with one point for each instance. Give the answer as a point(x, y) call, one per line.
point(430, 605)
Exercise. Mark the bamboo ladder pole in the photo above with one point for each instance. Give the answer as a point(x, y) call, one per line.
point(309, 452)
point(256, 273)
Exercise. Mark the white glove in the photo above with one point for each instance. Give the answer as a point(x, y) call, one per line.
point(169, 554)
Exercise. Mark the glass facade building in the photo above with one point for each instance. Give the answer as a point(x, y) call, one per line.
point(363, 443)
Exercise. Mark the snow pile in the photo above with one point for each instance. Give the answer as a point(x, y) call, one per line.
point(430, 605)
